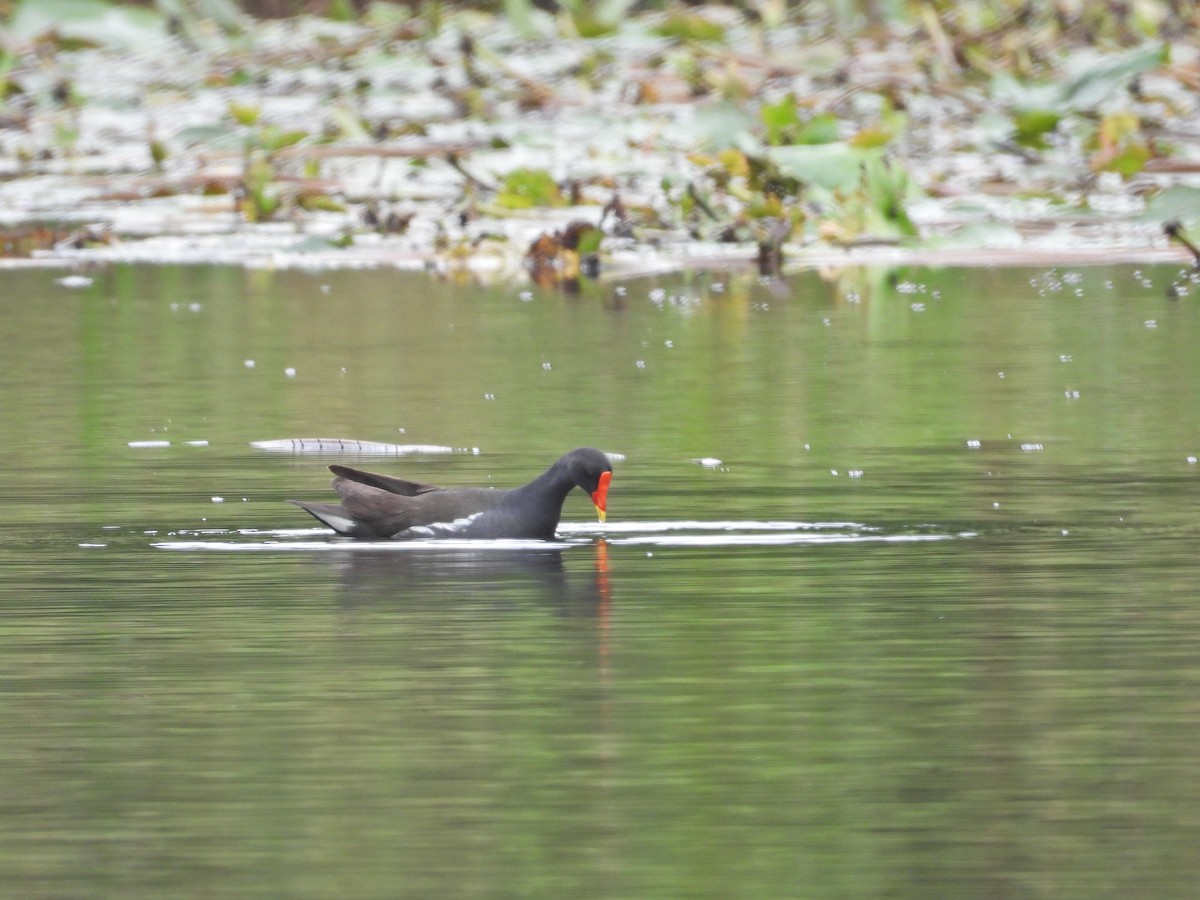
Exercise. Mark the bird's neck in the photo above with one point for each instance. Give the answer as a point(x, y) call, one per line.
point(547, 492)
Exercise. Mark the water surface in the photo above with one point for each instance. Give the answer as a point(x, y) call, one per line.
point(896, 596)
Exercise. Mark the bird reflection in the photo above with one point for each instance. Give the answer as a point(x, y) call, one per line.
point(504, 578)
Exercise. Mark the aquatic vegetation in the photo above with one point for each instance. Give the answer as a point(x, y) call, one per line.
point(464, 135)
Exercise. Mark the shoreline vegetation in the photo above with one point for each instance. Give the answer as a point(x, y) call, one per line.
point(559, 142)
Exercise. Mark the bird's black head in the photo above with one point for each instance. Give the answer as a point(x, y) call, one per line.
point(591, 470)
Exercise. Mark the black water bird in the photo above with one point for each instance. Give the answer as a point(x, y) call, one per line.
point(381, 507)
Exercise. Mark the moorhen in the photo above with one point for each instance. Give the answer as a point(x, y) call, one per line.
point(380, 507)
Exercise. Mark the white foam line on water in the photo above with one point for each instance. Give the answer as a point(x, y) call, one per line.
point(744, 540)
point(658, 534)
point(359, 546)
point(684, 525)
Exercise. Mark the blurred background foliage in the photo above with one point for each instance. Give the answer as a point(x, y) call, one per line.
point(760, 122)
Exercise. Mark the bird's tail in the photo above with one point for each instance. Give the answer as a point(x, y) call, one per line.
point(333, 515)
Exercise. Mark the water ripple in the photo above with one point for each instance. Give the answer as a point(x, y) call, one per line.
point(681, 533)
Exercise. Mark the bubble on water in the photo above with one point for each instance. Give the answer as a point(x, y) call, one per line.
point(74, 281)
point(1150, 323)
point(1065, 357)
point(995, 504)
point(489, 396)
point(218, 499)
point(974, 443)
point(918, 307)
point(641, 364)
point(717, 287)
point(855, 473)
point(1191, 460)
point(1048, 282)
point(249, 363)
point(546, 365)
point(833, 472)
point(1001, 374)
point(525, 296)
point(1072, 395)
point(1032, 446)
point(290, 372)
point(668, 344)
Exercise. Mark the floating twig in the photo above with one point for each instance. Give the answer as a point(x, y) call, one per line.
point(455, 162)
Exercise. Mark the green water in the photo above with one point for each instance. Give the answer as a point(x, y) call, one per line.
point(950, 670)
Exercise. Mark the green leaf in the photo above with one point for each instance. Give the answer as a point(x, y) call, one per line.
point(525, 188)
point(1093, 84)
point(1032, 125)
point(91, 21)
point(216, 137)
point(320, 203)
point(872, 138)
point(1129, 161)
point(158, 153)
point(887, 188)
point(822, 128)
point(272, 138)
point(833, 166)
point(685, 27)
point(780, 118)
point(589, 241)
point(520, 15)
point(989, 234)
point(717, 126)
point(589, 26)
point(349, 124)
point(1179, 202)
point(340, 11)
point(243, 113)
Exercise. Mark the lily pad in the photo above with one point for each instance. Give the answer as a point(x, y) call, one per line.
point(89, 21)
point(834, 166)
point(715, 127)
point(1180, 203)
point(1094, 83)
